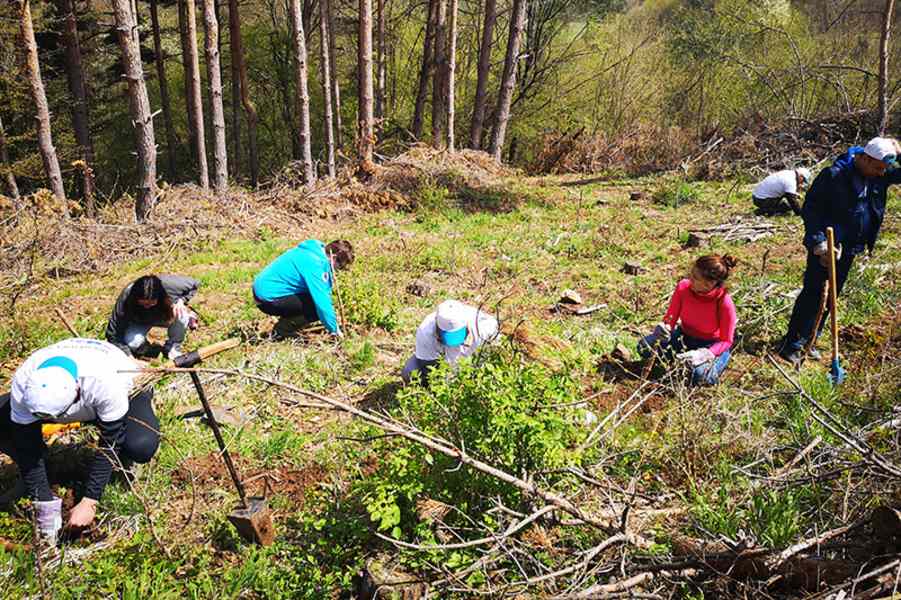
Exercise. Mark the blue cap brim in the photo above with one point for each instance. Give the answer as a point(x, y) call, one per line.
point(63, 362)
point(452, 338)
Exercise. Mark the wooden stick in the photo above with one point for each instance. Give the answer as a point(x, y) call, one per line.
point(833, 292)
point(62, 317)
point(147, 376)
point(331, 261)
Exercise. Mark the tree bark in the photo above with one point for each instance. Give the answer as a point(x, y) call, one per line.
point(36, 84)
point(301, 92)
point(76, 81)
point(139, 104)
point(8, 176)
point(380, 61)
point(171, 141)
point(195, 97)
point(425, 70)
point(333, 69)
point(214, 74)
point(508, 80)
point(236, 104)
point(451, 72)
point(439, 84)
point(326, 87)
point(883, 64)
point(366, 137)
point(481, 99)
point(249, 109)
point(188, 68)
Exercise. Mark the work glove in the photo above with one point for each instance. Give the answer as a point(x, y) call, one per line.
point(49, 519)
point(822, 250)
point(661, 333)
point(697, 357)
point(185, 314)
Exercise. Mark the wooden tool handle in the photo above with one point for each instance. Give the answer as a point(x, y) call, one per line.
point(208, 351)
point(833, 316)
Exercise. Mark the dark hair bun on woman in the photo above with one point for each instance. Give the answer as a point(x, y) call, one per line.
point(715, 267)
point(730, 261)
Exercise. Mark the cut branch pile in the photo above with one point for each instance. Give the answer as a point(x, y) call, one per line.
point(740, 229)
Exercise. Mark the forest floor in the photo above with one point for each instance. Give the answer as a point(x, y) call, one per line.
point(738, 473)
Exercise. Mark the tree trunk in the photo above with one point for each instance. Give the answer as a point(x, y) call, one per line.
point(439, 84)
point(508, 80)
point(451, 72)
point(171, 141)
point(39, 97)
point(883, 65)
point(426, 70)
point(75, 79)
point(366, 132)
point(195, 97)
point(188, 67)
point(326, 86)
point(9, 176)
point(481, 99)
point(380, 61)
point(140, 108)
point(249, 109)
point(301, 92)
point(333, 69)
point(236, 105)
point(214, 74)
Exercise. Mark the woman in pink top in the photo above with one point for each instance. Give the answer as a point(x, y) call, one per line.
point(699, 325)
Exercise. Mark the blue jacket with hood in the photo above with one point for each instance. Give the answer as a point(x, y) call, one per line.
point(853, 205)
point(303, 269)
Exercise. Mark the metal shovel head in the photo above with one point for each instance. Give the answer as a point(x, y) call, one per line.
point(836, 373)
point(254, 522)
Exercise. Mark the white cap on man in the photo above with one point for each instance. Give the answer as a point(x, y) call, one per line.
point(451, 318)
point(50, 390)
point(884, 149)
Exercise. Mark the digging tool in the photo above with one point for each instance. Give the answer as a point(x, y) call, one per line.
point(812, 342)
point(836, 373)
point(251, 517)
point(331, 260)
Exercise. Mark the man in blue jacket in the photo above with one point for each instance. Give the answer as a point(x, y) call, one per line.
point(850, 197)
point(298, 284)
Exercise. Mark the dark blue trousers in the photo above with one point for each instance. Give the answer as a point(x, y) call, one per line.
point(807, 304)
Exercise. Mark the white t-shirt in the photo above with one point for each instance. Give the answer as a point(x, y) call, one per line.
point(104, 390)
point(482, 328)
point(777, 185)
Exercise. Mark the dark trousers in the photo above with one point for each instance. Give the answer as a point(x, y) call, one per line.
point(295, 305)
point(807, 304)
point(777, 206)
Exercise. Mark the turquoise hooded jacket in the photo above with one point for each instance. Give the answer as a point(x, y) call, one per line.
point(300, 270)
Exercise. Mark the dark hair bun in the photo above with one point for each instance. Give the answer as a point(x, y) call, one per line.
point(730, 261)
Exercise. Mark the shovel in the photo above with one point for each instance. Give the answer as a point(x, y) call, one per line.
point(251, 517)
point(836, 372)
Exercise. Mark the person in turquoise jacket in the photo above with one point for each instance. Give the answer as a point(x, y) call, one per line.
point(298, 284)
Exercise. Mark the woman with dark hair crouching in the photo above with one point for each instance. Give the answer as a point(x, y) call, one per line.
point(699, 325)
point(153, 301)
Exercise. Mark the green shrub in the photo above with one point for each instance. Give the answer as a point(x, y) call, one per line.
point(366, 303)
point(677, 193)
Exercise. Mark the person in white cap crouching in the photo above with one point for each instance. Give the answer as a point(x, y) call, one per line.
point(76, 380)
point(454, 330)
point(780, 192)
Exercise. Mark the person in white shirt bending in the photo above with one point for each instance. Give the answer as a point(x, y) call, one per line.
point(454, 330)
point(780, 192)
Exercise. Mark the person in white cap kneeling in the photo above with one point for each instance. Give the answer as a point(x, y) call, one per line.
point(454, 330)
point(76, 380)
point(780, 192)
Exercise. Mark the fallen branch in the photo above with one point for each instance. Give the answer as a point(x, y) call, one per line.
point(62, 317)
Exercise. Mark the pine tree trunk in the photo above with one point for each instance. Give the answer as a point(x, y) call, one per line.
point(11, 187)
point(301, 92)
point(75, 79)
point(333, 69)
point(508, 80)
point(326, 87)
point(139, 104)
point(380, 61)
point(195, 97)
point(426, 70)
point(451, 72)
point(236, 105)
point(366, 132)
point(39, 97)
point(214, 75)
point(439, 83)
point(883, 64)
point(171, 141)
point(188, 68)
point(481, 99)
point(249, 109)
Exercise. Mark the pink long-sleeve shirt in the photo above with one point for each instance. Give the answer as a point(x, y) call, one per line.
point(709, 316)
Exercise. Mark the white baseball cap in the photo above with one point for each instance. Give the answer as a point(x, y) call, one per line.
point(803, 173)
point(884, 149)
point(451, 319)
point(50, 390)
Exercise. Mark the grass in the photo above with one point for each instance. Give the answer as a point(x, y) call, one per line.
point(474, 248)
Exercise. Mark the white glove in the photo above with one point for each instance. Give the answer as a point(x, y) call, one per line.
point(185, 314)
point(697, 357)
point(820, 249)
point(49, 519)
